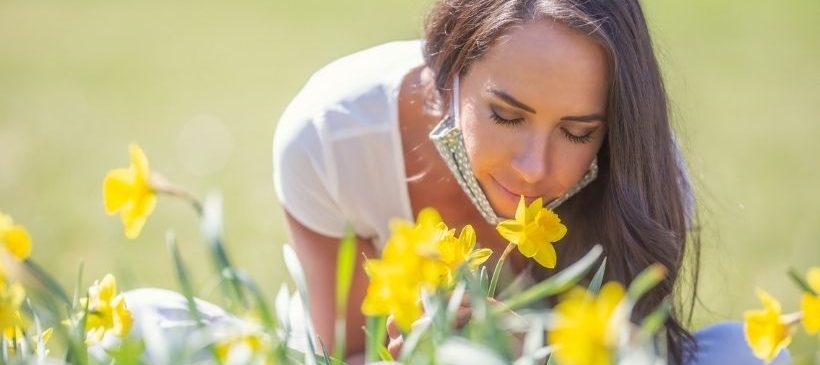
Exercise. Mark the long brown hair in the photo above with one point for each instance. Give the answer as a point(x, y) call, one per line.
point(640, 208)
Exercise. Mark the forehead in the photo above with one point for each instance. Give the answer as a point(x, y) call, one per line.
point(546, 65)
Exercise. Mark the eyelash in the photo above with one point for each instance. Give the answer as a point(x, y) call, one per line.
point(516, 122)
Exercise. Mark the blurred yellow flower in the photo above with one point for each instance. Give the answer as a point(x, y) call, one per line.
point(417, 256)
point(459, 251)
point(12, 333)
point(128, 192)
point(810, 303)
point(416, 247)
point(765, 330)
point(107, 311)
point(586, 327)
point(14, 238)
point(533, 230)
point(393, 289)
point(243, 348)
point(11, 297)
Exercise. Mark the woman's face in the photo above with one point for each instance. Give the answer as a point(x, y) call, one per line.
point(532, 112)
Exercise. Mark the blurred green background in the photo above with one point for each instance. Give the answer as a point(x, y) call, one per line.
point(200, 85)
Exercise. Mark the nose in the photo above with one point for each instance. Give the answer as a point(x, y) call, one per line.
point(530, 161)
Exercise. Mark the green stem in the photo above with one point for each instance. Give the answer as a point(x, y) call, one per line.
point(497, 271)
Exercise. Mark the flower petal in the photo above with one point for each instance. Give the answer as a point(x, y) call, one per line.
point(510, 230)
point(107, 287)
point(533, 209)
point(479, 256)
point(546, 256)
point(813, 279)
point(810, 306)
point(18, 242)
point(521, 210)
point(134, 218)
point(467, 238)
point(117, 189)
point(769, 302)
point(428, 217)
point(138, 161)
point(528, 248)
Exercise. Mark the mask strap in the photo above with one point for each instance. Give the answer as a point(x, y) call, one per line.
point(455, 100)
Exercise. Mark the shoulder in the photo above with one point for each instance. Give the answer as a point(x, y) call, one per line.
point(339, 136)
point(352, 94)
point(346, 103)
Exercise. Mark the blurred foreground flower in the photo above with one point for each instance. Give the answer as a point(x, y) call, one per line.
point(129, 192)
point(243, 348)
point(534, 230)
point(810, 303)
point(107, 311)
point(766, 331)
point(14, 238)
point(456, 252)
point(422, 255)
point(587, 327)
point(11, 297)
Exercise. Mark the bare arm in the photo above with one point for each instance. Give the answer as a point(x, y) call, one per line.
point(317, 254)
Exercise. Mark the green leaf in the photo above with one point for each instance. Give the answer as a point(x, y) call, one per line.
point(298, 276)
point(646, 280)
point(128, 352)
point(46, 280)
point(597, 279)
point(801, 283)
point(211, 227)
point(185, 284)
point(412, 339)
point(376, 332)
point(265, 315)
point(653, 322)
point(499, 265)
point(345, 265)
point(558, 283)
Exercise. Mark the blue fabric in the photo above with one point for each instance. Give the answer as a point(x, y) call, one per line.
point(724, 344)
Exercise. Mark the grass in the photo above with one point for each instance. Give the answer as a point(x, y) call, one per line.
point(200, 86)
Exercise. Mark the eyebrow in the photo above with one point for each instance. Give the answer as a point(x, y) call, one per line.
point(518, 104)
point(511, 100)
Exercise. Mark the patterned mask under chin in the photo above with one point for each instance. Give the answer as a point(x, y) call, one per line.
point(449, 142)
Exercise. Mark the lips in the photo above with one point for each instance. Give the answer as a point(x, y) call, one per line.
point(513, 193)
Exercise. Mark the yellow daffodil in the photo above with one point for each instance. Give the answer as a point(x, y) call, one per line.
point(586, 327)
point(107, 311)
point(455, 252)
point(765, 330)
point(11, 297)
point(534, 230)
point(417, 256)
point(409, 262)
point(14, 238)
point(243, 348)
point(393, 289)
point(810, 303)
point(128, 192)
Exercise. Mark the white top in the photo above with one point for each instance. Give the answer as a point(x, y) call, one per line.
point(337, 152)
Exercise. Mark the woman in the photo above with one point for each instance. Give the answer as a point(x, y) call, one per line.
point(560, 100)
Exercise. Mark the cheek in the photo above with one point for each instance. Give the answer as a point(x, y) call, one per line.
point(485, 143)
point(571, 162)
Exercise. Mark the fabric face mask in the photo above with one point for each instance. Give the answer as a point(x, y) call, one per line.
point(449, 142)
